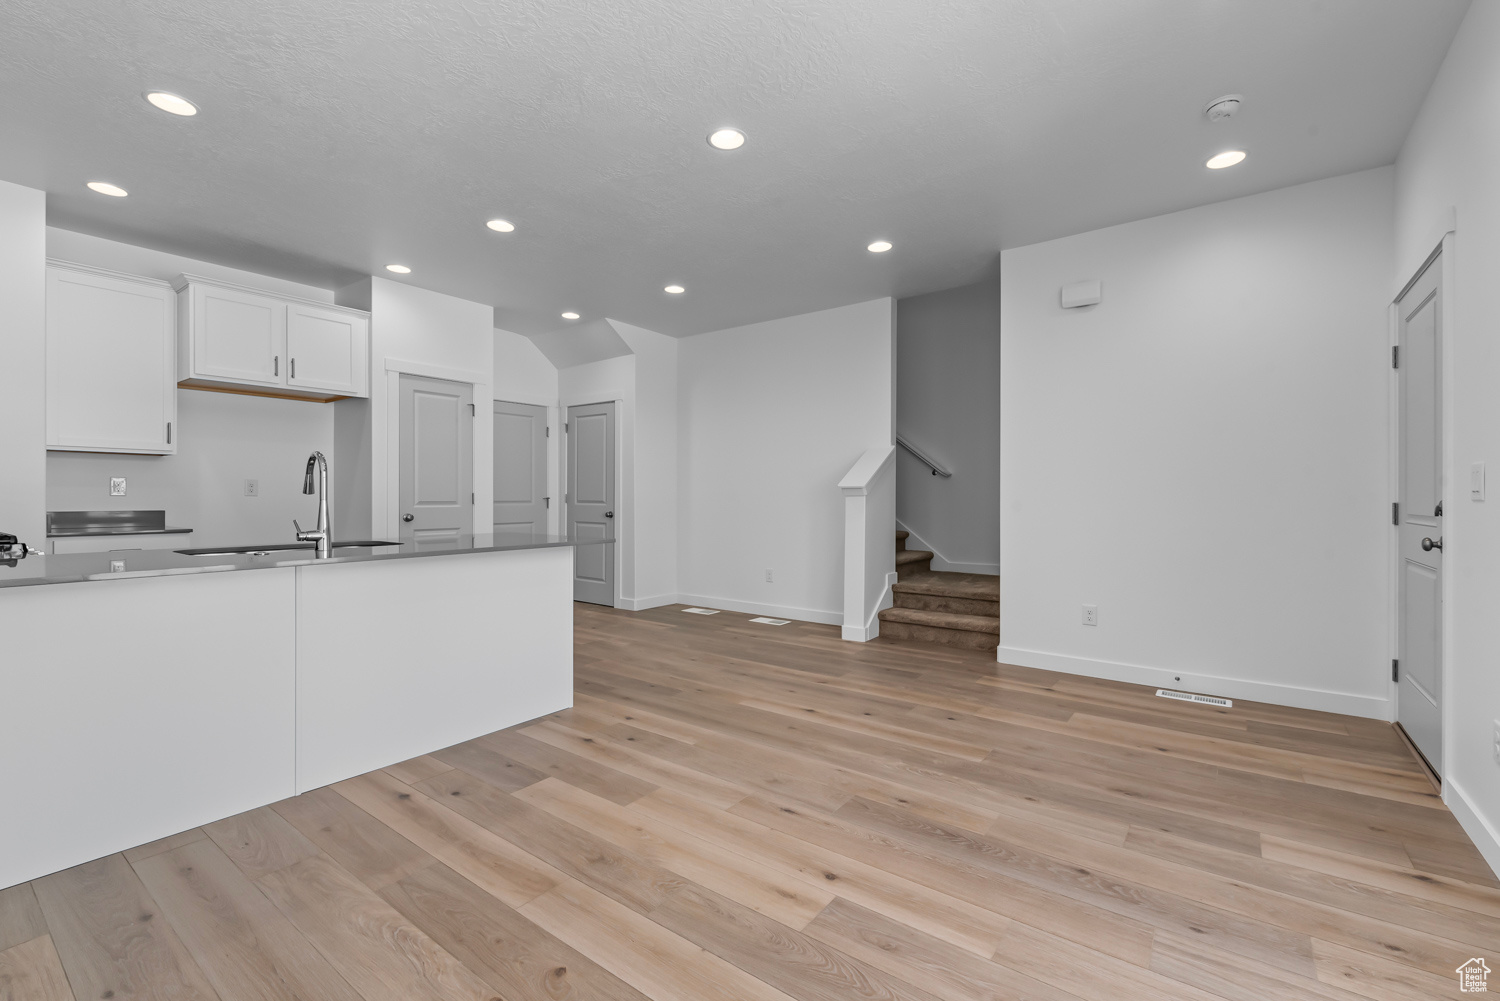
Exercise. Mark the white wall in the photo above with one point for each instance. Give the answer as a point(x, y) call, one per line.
point(1446, 171)
point(948, 365)
point(522, 373)
point(223, 439)
point(23, 430)
point(771, 417)
point(654, 474)
point(1204, 455)
point(81, 248)
point(425, 333)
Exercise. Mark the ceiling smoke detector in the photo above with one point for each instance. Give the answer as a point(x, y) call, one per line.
point(1224, 107)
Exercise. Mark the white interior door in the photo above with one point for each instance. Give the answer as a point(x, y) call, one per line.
point(1420, 515)
point(437, 459)
point(591, 499)
point(520, 468)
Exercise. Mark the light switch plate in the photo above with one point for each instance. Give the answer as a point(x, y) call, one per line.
point(117, 486)
point(1476, 481)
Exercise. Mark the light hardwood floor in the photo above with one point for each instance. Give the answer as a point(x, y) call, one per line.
point(741, 812)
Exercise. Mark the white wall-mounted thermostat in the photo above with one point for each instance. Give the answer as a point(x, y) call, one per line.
point(1082, 294)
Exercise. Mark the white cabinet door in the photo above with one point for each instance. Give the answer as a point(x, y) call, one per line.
point(326, 349)
point(237, 336)
point(111, 363)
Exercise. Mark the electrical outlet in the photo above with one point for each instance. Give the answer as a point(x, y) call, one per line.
point(116, 566)
point(117, 486)
point(252, 488)
point(770, 577)
point(1091, 615)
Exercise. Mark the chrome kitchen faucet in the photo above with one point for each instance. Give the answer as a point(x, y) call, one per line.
point(323, 534)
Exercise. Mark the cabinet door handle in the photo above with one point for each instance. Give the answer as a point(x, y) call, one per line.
point(169, 432)
point(292, 372)
point(276, 365)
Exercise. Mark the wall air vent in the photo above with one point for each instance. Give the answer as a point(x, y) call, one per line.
point(1207, 700)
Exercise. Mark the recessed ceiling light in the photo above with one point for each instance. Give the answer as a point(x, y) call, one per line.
point(501, 226)
point(879, 247)
point(674, 289)
point(105, 188)
point(1228, 158)
point(726, 139)
point(400, 269)
point(172, 103)
point(570, 316)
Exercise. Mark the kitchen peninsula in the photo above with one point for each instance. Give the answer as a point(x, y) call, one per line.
point(146, 693)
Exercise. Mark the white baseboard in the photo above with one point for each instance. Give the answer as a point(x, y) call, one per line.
point(1483, 833)
point(1368, 706)
point(757, 608)
point(641, 604)
point(871, 628)
point(941, 563)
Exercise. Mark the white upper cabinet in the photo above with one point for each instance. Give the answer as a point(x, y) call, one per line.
point(240, 339)
point(111, 372)
point(327, 349)
point(235, 335)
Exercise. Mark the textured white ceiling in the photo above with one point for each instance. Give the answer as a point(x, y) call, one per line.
point(338, 136)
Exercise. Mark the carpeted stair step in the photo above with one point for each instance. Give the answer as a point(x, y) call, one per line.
point(975, 632)
point(912, 561)
point(962, 593)
point(945, 603)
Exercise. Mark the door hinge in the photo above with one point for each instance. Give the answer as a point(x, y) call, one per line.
point(1396, 513)
point(1438, 511)
point(565, 498)
point(1395, 356)
point(1395, 669)
point(549, 432)
point(473, 410)
point(547, 502)
point(471, 498)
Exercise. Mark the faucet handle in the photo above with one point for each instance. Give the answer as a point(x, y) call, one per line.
point(297, 526)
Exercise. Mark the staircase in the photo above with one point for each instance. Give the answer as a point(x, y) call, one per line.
point(954, 609)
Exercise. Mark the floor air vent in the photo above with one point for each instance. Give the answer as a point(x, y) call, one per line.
point(1207, 700)
point(702, 611)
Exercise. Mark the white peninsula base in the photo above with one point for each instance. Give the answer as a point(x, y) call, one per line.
point(134, 708)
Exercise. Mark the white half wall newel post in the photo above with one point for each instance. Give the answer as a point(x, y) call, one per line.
point(869, 491)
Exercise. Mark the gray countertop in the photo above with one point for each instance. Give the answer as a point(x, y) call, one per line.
point(166, 562)
point(85, 524)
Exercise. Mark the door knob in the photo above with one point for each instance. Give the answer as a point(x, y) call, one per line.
point(1428, 545)
point(408, 517)
point(609, 514)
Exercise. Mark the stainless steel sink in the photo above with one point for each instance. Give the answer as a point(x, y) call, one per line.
point(284, 547)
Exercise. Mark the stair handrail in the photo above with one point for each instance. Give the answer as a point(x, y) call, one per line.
point(937, 468)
